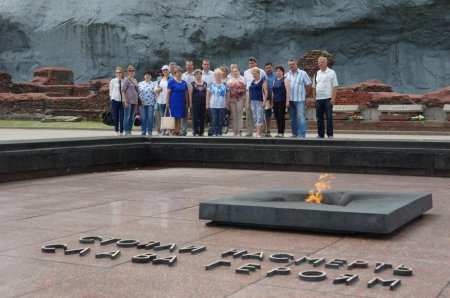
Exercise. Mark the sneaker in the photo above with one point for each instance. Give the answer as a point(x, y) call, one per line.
point(117, 133)
point(278, 136)
point(268, 135)
point(258, 136)
point(214, 135)
point(330, 137)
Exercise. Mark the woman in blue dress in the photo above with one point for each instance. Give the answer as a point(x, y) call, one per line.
point(177, 99)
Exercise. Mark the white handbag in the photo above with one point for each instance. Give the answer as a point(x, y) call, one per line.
point(167, 122)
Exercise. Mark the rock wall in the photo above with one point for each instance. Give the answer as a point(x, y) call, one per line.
point(404, 43)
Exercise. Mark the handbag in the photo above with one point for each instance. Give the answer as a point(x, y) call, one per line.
point(137, 121)
point(107, 118)
point(167, 122)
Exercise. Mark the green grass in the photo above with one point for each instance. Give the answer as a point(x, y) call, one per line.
point(38, 124)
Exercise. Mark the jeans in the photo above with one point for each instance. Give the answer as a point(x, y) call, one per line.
point(162, 113)
point(117, 111)
point(298, 118)
point(146, 119)
point(198, 116)
point(279, 109)
point(324, 107)
point(129, 117)
point(217, 116)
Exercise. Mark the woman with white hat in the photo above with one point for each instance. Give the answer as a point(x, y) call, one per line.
point(161, 91)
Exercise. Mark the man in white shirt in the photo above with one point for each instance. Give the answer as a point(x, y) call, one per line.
point(299, 84)
point(207, 75)
point(189, 77)
point(252, 62)
point(324, 94)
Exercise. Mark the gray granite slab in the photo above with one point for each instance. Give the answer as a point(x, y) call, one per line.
point(341, 211)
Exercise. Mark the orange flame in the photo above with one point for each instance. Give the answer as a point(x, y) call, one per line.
point(315, 195)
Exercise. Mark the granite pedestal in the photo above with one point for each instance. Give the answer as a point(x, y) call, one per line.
point(340, 211)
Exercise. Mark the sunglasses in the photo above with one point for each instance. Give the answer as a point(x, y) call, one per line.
point(118, 72)
point(131, 70)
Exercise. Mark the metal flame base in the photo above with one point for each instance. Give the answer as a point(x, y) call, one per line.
point(340, 211)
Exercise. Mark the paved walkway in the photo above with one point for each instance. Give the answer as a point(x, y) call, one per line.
point(162, 205)
point(7, 134)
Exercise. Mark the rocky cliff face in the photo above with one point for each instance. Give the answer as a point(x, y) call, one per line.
point(405, 43)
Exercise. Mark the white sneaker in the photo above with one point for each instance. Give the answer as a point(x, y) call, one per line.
point(117, 133)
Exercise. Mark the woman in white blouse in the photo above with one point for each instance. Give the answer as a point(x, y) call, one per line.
point(115, 95)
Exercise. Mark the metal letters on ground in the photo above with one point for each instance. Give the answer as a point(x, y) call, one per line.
point(281, 258)
point(90, 239)
point(316, 262)
point(110, 254)
point(279, 271)
point(53, 247)
point(171, 247)
point(312, 275)
point(80, 251)
point(109, 241)
point(381, 267)
point(245, 269)
point(144, 258)
point(217, 264)
point(347, 279)
point(127, 243)
point(255, 256)
point(148, 245)
point(306, 275)
point(403, 271)
point(336, 264)
point(165, 261)
point(358, 264)
point(192, 249)
point(392, 283)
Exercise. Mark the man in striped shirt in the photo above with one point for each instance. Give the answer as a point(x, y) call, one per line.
point(299, 83)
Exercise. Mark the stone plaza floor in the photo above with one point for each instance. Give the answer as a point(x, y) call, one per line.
point(160, 204)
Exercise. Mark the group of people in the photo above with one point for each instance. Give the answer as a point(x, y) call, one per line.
point(202, 93)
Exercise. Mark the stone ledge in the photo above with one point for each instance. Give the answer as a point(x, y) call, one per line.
point(347, 156)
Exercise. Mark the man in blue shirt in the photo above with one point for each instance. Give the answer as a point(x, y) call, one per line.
point(299, 84)
point(270, 77)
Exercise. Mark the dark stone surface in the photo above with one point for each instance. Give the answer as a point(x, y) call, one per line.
point(22, 160)
point(354, 156)
point(43, 158)
point(346, 212)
